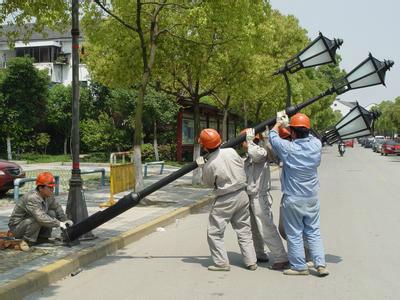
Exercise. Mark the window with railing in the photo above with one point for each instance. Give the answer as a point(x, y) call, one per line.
point(40, 54)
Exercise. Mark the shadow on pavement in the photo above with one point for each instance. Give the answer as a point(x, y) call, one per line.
point(333, 259)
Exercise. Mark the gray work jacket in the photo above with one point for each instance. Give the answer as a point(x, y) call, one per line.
point(32, 205)
point(257, 170)
point(224, 170)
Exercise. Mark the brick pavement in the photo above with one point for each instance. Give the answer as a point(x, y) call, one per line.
point(167, 203)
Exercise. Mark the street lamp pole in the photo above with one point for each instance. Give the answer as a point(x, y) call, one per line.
point(76, 205)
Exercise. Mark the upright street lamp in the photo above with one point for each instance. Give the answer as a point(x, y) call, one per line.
point(357, 123)
point(320, 51)
point(76, 205)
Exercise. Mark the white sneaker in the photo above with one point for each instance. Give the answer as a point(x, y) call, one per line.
point(219, 268)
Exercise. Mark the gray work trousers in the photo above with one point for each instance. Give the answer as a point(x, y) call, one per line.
point(29, 229)
point(230, 208)
point(264, 229)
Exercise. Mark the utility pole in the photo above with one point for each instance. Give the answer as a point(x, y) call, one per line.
point(76, 205)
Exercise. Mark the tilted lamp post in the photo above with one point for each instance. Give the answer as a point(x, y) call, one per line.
point(357, 123)
point(132, 199)
point(320, 51)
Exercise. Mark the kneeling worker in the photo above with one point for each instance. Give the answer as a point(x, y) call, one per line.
point(38, 212)
point(224, 171)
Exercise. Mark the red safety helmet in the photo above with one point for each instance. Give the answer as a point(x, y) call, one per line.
point(45, 178)
point(284, 133)
point(256, 137)
point(209, 138)
point(300, 120)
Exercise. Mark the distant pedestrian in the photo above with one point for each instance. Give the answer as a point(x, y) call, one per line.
point(265, 233)
point(224, 171)
point(38, 212)
point(301, 158)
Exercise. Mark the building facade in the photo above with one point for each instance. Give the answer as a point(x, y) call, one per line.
point(342, 106)
point(50, 51)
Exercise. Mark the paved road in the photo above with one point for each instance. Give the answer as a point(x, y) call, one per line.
point(360, 225)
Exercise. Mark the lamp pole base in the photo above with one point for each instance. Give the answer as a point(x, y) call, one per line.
point(76, 205)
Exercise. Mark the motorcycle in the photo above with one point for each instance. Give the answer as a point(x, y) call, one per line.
point(341, 149)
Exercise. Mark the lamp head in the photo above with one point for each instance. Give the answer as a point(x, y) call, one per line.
point(368, 73)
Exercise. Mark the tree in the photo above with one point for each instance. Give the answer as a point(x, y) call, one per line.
point(160, 110)
point(42, 141)
point(32, 16)
point(25, 91)
point(198, 58)
point(59, 110)
point(125, 37)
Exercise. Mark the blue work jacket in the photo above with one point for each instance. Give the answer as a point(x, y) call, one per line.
point(301, 159)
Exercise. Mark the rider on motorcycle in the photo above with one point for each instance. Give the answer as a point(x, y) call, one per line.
point(341, 148)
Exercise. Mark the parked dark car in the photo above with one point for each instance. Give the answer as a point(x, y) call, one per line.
point(390, 147)
point(8, 172)
point(368, 142)
point(376, 145)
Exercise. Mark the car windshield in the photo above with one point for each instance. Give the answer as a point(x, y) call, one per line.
point(391, 142)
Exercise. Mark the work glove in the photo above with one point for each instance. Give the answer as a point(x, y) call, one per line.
point(250, 135)
point(265, 133)
point(69, 222)
point(200, 161)
point(63, 225)
point(282, 118)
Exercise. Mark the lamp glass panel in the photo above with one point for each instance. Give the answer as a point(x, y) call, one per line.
point(372, 79)
point(314, 49)
point(321, 59)
point(357, 134)
point(367, 68)
point(351, 115)
point(355, 125)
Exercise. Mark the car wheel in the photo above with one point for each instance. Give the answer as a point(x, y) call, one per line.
point(385, 154)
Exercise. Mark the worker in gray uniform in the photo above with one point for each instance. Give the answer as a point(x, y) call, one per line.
point(224, 171)
point(38, 212)
point(264, 230)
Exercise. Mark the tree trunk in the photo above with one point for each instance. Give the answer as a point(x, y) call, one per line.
point(155, 144)
point(197, 174)
point(258, 111)
point(244, 114)
point(65, 145)
point(9, 154)
point(137, 140)
point(225, 110)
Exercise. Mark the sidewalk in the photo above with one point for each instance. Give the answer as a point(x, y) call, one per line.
point(22, 273)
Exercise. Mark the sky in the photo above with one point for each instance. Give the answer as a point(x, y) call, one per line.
point(364, 26)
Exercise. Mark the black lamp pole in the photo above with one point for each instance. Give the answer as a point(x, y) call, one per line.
point(133, 199)
point(76, 205)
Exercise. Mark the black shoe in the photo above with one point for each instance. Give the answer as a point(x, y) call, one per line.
point(43, 240)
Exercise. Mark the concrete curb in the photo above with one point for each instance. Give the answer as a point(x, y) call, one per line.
point(46, 275)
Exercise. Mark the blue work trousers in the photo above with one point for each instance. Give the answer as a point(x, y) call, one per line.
point(301, 219)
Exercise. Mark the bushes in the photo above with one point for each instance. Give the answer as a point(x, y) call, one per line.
point(166, 152)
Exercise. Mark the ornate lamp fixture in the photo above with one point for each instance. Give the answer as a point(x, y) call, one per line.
point(357, 123)
point(320, 51)
point(368, 73)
